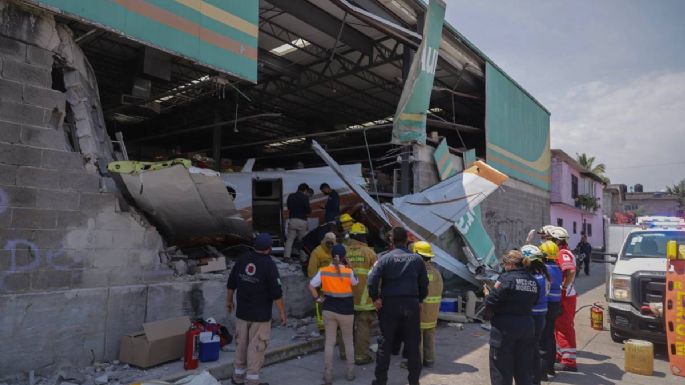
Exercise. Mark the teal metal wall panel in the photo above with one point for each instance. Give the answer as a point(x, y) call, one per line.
point(220, 34)
point(517, 131)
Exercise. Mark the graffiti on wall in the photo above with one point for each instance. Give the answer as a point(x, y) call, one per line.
point(37, 258)
point(508, 233)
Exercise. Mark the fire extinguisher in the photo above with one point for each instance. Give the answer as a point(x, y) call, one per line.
point(192, 351)
point(597, 317)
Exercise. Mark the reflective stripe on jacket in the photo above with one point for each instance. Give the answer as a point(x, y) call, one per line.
point(431, 304)
point(336, 285)
point(361, 259)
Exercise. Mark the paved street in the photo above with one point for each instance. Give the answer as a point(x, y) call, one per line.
point(463, 356)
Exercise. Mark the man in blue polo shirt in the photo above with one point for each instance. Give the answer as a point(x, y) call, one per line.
point(258, 285)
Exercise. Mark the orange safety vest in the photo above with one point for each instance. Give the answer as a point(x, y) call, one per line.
point(334, 285)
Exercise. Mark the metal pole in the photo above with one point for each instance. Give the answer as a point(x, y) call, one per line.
point(216, 142)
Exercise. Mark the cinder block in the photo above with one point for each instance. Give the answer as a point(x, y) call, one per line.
point(109, 258)
point(20, 196)
point(9, 132)
point(26, 73)
point(50, 279)
point(24, 218)
point(49, 239)
point(128, 239)
point(12, 48)
point(110, 220)
point(72, 220)
point(14, 282)
point(39, 56)
point(96, 202)
point(8, 174)
point(37, 177)
point(19, 155)
point(79, 239)
point(104, 240)
point(80, 181)
point(62, 160)
point(44, 97)
point(22, 113)
point(57, 199)
point(43, 137)
point(10, 91)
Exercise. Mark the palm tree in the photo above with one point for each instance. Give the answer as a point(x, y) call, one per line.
point(588, 162)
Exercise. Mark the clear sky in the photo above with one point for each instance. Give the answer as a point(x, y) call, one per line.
point(611, 72)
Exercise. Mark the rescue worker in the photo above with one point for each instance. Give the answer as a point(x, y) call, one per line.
point(537, 267)
point(320, 257)
point(298, 210)
point(543, 232)
point(332, 206)
point(509, 305)
point(336, 282)
point(258, 285)
point(398, 283)
point(361, 259)
point(548, 345)
point(565, 332)
point(431, 304)
point(346, 222)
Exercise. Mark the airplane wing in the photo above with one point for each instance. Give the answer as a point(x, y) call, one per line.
point(454, 203)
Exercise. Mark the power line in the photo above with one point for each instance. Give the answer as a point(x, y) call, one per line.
point(645, 166)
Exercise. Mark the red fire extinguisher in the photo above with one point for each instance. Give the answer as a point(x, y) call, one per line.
point(597, 317)
point(192, 352)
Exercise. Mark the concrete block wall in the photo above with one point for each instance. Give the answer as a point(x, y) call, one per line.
point(68, 253)
point(512, 211)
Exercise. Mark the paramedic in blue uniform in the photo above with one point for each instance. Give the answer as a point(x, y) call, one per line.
point(397, 284)
point(548, 344)
point(537, 267)
point(509, 305)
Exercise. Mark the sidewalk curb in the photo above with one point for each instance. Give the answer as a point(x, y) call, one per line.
point(224, 371)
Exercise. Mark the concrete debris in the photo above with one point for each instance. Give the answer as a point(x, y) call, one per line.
point(71, 374)
point(180, 267)
point(102, 379)
point(453, 317)
point(457, 325)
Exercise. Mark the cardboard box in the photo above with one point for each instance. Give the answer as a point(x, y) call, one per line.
point(208, 265)
point(159, 342)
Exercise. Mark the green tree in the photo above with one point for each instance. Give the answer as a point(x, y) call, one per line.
point(676, 189)
point(588, 162)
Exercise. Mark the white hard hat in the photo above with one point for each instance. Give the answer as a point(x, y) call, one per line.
point(559, 233)
point(210, 320)
point(531, 252)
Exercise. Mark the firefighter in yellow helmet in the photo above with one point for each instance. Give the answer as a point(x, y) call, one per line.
point(431, 304)
point(346, 222)
point(361, 258)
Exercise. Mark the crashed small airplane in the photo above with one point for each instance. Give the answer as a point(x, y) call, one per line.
point(193, 206)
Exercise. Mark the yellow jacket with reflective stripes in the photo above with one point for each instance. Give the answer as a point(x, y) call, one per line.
point(431, 304)
point(361, 259)
point(320, 257)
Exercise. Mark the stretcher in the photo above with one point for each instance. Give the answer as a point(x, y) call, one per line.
point(675, 307)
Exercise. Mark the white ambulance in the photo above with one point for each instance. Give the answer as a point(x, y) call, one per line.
point(636, 286)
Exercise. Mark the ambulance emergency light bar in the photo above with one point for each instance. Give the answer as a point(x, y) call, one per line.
point(662, 222)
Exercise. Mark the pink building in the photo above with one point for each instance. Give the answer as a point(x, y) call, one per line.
point(576, 200)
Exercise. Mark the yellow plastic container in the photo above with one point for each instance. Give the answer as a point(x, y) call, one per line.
point(639, 357)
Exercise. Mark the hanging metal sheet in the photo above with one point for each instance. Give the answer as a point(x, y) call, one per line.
point(409, 124)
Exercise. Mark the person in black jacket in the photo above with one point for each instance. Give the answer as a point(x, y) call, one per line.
point(258, 285)
point(397, 284)
point(509, 305)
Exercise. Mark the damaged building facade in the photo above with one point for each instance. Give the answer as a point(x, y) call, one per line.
point(225, 84)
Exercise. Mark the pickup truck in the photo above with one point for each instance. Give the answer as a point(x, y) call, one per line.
point(636, 285)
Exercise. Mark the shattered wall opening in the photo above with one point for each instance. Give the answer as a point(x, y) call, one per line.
point(76, 271)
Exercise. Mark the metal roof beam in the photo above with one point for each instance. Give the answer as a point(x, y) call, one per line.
point(326, 23)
